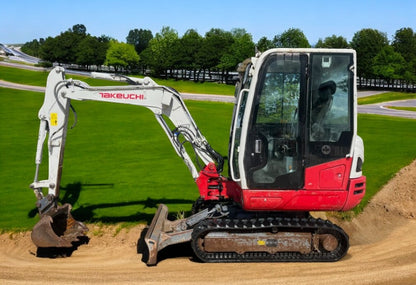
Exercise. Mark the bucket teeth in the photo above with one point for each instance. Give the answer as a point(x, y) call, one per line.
point(58, 229)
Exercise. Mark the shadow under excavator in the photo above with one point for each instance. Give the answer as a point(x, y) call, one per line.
point(171, 251)
point(86, 212)
point(59, 252)
point(71, 194)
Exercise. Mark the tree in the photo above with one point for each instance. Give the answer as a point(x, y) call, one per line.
point(33, 47)
point(63, 48)
point(389, 64)
point(160, 54)
point(79, 29)
point(67, 46)
point(215, 44)
point(333, 42)
point(140, 39)
point(292, 38)
point(264, 44)
point(71, 46)
point(189, 45)
point(241, 48)
point(48, 50)
point(121, 56)
point(404, 42)
point(92, 51)
point(367, 43)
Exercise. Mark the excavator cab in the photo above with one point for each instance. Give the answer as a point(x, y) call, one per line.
point(295, 111)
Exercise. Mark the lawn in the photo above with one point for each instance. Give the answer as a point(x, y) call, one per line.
point(38, 78)
point(389, 144)
point(385, 97)
point(411, 109)
point(23, 76)
point(198, 87)
point(119, 165)
point(118, 162)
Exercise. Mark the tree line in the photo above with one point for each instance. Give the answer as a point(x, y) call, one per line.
point(196, 57)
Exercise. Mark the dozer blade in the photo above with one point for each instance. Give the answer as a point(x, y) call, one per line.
point(154, 233)
point(163, 232)
point(58, 228)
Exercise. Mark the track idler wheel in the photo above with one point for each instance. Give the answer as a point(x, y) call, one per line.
point(58, 228)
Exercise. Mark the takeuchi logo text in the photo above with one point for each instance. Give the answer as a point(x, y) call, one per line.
point(127, 96)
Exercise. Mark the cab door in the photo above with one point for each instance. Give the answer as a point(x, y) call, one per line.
point(273, 136)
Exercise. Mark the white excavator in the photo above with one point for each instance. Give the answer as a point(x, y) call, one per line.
point(293, 149)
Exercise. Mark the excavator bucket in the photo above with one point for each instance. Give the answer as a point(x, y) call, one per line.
point(58, 228)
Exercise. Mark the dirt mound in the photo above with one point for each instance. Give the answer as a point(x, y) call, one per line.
point(392, 207)
point(383, 251)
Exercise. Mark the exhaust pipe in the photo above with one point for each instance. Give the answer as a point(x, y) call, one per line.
point(57, 228)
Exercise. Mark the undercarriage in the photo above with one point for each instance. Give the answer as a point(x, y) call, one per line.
point(229, 234)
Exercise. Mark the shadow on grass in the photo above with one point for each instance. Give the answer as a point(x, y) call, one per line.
point(86, 213)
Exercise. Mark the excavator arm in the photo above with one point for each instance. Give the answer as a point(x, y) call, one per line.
point(164, 102)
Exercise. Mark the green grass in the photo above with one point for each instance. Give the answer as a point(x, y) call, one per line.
point(20, 62)
point(385, 97)
point(196, 87)
point(23, 76)
point(38, 78)
point(118, 166)
point(412, 109)
point(389, 144)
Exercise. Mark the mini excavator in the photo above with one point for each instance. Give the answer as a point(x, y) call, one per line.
point(293, 149)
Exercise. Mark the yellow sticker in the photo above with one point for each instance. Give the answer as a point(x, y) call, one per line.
point(261, 242)
point(54, 119)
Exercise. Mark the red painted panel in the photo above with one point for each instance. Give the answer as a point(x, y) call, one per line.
point(293, 200)
point(332, 178)
point(327, 188)
point(356, 192)
point(328, 176)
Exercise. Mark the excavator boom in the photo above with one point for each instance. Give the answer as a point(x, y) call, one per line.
point(164, 102)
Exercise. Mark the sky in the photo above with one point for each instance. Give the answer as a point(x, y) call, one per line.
point(24, 20)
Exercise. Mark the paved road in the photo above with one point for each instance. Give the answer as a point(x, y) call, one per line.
point(382, 109)
point(12, 85)
point(16, 54)
point(208, 97)
point(369, 93)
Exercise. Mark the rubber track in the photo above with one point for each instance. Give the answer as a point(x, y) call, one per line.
point(310, 225)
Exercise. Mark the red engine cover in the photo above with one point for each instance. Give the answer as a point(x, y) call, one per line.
point(327, 187)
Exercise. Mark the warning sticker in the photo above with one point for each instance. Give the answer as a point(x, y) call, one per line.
point(54, 119)
point(261, 242)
